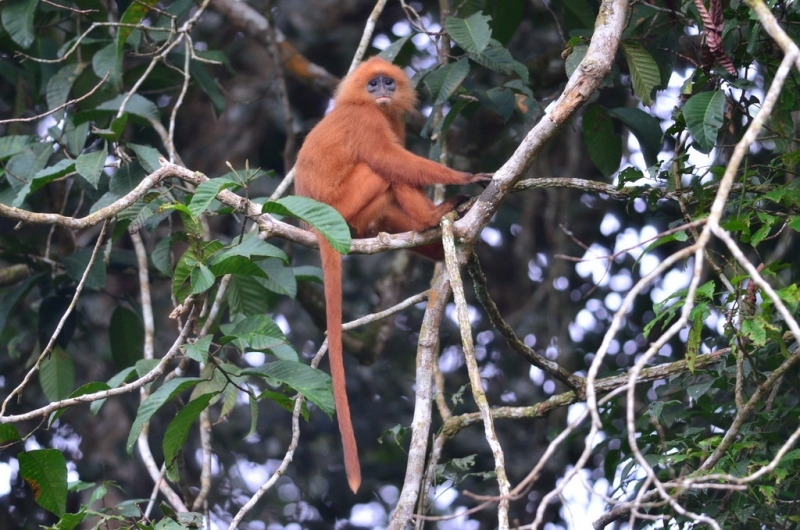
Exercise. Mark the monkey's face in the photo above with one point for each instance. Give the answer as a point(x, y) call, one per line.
point(382, 89)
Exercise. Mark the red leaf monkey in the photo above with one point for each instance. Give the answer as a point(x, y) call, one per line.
point(354, 160)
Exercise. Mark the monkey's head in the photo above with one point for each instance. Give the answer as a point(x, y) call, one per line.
point(378, 82)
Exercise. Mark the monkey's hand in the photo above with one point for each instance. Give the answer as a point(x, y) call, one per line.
point(481, 178)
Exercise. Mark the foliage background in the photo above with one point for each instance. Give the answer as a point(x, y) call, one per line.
point(624, 189)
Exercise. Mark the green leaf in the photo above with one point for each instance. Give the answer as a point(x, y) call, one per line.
point(45, 471)
point(10, 298)
point(695, 334)
point(391, 52)
point(471, 33)
point(61, 83)
point(199, 72)
point(253, 415)
point(75, 135)
point(603, 144)
point(178, 430)
point(88, 388)
point(198, 350)
point(24, 165)
point(321, 216)
point(246, 296)
point(202, 279)
point(444, 81)
point(313, 384)
point(501, 100)
point(497, 58)
point(90, 165)
point(161, 256)
point(121, 377)
point(308, 273)
point(70, 521)
point(282, 400)
point(703, 113)
point(76, 263)
point(646, 129)
point(147, 156)
point(126, 333)
point(132, 16)
point(8, 434)
point(44, 177)
point(114, 131)
point(104, 61)
point(754, 328)
point(137, 106)
point(236, 265)
point(258, 332)
point(165, 393)
point(574, 59)
point(18, 20)
point(280, 278)
point(206, 193)
point(57, 374)
point(11, 145)
point(644, 71)
point(697, 391)
point(251, 246)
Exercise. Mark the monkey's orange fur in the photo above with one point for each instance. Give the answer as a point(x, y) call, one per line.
point(355, 161)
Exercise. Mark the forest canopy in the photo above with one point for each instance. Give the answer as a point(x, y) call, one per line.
point(612, 340)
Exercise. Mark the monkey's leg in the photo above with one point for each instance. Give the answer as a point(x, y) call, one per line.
point(419, 209)
point(364, 197)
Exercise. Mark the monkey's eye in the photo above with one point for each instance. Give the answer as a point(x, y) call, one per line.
point(373, 83)
point(389, 82)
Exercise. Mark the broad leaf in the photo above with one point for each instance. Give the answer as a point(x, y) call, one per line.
point(126, 333)
point(202, 279)
point(644, 71)
point(198, 350)
point(313, 384)
point(178, 430)
point(13, 144)
point(603, 144)
point(147, 156)
point(59, 86)
point(646, 129)
point(703, 113)
point(257, 332)
point(279, 278)
point(57, 374)
point(444, 81)
point(497, 58)
point(321, 216)
point(206, 193)
point(9, 434)
point(137, 106)
point(165, 393)
point(104, 62)
point(393, 50)
point(45, 471)
point(251, 246)
point(132, 16)
point(18, 20)
point(90, 165)
point(471, 33)
point(88, 388)
point(115, 381)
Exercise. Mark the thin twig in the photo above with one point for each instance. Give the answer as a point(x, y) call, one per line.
point(63, 106)
point(51, 343)
point(476, 382)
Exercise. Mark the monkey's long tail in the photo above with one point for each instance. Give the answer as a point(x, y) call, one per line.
point(332, 267)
